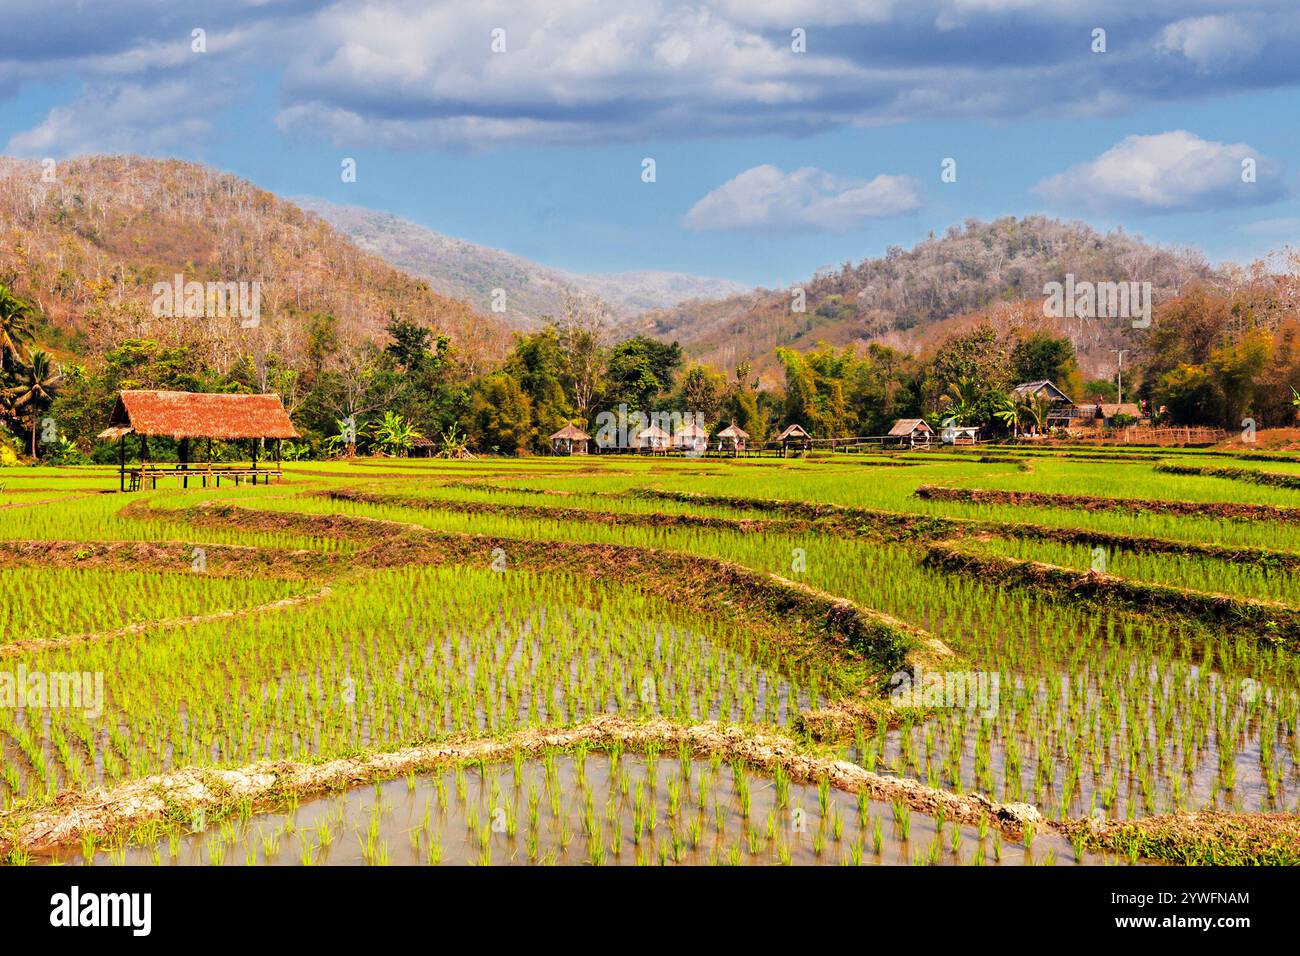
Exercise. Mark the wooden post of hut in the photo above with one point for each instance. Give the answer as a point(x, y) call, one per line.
point(185, 415)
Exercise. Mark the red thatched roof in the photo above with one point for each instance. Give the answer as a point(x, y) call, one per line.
point(200, 415)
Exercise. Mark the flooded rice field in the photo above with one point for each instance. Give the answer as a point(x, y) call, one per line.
point(590, 809)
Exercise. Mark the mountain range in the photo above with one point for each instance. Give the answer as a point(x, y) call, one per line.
point(88, 240)
point(471, 272)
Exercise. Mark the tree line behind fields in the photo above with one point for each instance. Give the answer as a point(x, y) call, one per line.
point(1211, 357)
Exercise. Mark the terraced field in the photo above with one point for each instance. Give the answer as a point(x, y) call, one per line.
point(1010, 656)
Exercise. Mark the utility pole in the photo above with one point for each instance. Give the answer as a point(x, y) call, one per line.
point(1119, 375)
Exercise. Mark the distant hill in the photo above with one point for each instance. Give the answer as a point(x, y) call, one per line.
point(88, 242)
point(908, 297)
point(466, 270)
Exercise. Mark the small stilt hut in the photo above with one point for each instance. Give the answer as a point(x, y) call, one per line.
point(570, 440)
point(910, 432)
point(653, 439)
point(794, 437)
point(189, 416)
point(692, 439)
point(732, 439)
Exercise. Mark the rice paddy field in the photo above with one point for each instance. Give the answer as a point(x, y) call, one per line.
point(1011, 656)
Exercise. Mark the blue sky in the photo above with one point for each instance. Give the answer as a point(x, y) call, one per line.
point(769, 162)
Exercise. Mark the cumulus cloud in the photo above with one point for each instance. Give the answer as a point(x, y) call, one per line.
point(421, 74)
point(173, 116)
point(765, 199)
point(1210, 43)
point(1168, 172)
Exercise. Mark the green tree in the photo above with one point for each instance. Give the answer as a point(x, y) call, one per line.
point(394, 435)
point(1041, 357)
point(640, 370)
point(37, 382)
point(1191, 395)
point(1235, 368)
point(500, 415)
point(15, 328)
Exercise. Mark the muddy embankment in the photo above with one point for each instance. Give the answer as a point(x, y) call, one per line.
point(585, 515)
point(177, 797)
point(221, 560)
point(174, 800)
point(1042, 499)
point(902, 526)
point(1271, 623)
point(1272, 478)
point(1203, 838)
point(843, 522)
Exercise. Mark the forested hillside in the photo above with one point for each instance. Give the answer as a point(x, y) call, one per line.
point(87, 239)
point(900, 298)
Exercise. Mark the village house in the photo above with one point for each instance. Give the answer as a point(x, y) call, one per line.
point(1104, 414)
point(1061, 411)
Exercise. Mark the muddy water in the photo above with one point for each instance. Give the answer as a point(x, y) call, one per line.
point(581, 810)
point(1182, 774)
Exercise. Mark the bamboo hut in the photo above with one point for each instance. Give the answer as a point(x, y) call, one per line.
point(911, 432)
point(692, 439)
point(653, 439)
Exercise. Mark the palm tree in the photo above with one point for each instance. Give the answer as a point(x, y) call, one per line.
point(37, 383)
point(394, 434)
point(960, 400)
point(15, 327)
point(1035, 414)
point(1011, 413)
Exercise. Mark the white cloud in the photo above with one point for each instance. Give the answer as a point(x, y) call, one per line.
point(126, 118)
point(765, 199)
point(1168, 172)
point(1283, 226)
point(788, 14)
point(1211, 44)
point(421, 74)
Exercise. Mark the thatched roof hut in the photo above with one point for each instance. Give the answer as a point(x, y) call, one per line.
point(570, 440)
point(653, 437)
point(182, 415)
point(732, 437)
